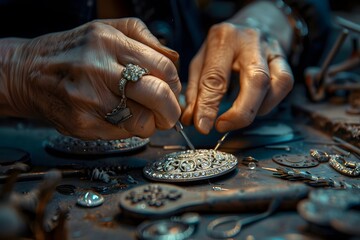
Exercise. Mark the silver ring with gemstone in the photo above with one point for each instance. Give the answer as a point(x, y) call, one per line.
point(121, 113)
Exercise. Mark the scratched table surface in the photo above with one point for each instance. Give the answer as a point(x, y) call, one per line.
point(107, 222)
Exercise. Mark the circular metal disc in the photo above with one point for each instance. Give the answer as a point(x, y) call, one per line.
point(164, 230)
point(72, 145)
point(295, 160)
point(190, 165)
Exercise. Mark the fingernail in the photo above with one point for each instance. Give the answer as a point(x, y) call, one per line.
point(223, 126)
point(205, 124)
point(173, 53)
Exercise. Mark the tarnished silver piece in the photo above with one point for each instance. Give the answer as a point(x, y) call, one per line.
point(252, 165)
point(319, 156)
point(348, 168)
point(72, 145)
point(90, 199)
point(249, 159)
point(295, 160)
point(121, 113)
point(190, 165)
point(179, 128)
point(217, 188)
point(308, 178)
point(177, 228)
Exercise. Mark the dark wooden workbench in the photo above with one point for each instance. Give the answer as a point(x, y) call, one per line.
point(106, 221)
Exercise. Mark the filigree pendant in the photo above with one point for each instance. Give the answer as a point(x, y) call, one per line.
point(190, 165)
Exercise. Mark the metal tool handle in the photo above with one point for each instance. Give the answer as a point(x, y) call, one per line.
point(240, 200)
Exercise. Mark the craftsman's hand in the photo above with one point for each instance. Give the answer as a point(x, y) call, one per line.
point(265, 78)
point(71, 79)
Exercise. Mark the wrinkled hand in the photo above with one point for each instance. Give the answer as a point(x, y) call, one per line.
point(265, 78)
point(71, 79)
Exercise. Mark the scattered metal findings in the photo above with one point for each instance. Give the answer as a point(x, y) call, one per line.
point(161, 200)
point(217, 188)
point(108, 189)
point(70, 145)
point(102, 175)
point(179, 128)
point(153, 196)
point(190, 165)
point(221, 140)
point(249, 159)
point(239, 223)
point(319, 156)
point(282, 147)
point(295, 160)
point(90, 199)
point(168, 147)
point(308, 178)
point(348, 168)
point(131, 180)
point(178, 228)
point(251, 166)
point(332, 209)
point(66, 189)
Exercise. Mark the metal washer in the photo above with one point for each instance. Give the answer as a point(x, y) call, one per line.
point(190, 165)
point(295, 160)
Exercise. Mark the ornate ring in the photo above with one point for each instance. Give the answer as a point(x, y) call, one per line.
point(121, 113)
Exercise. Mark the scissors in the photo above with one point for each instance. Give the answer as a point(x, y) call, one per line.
point(239, 222)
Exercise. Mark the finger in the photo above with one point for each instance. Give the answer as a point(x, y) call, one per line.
point(94, 126)
point(142, 122)
point(217, 65)
point(136, 29)
point(281, 84)
point(157, 64)
point(193, 86)
point(156, 95)
point(127, 50)
point(254, 85)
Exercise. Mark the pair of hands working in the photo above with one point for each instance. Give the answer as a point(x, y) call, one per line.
point(71, 79)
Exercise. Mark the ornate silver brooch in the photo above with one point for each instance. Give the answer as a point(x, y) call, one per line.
point(191, 165)
point(72, 145)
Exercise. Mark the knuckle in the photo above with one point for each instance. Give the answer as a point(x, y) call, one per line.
point(285, 81)
point(260, 79)
point(221, 29)
point(163, 91)
point(252, 32)
point(170, 73)
point(214, 80)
